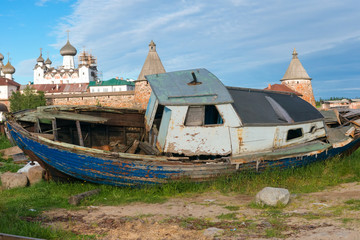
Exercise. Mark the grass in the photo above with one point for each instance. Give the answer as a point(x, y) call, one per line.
point(354, 204)
point(227, 216)
point(232, 208)
point(7, 164)
point(15, 204)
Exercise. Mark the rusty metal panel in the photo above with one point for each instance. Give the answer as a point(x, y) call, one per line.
point(253, 139)
point(176, 88)
point(311, 131)
point(195, 140)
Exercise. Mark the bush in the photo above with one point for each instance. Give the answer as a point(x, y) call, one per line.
point(28, 100)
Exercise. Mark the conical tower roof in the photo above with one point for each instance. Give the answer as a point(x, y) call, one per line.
point(295, 69)
point(153, 64)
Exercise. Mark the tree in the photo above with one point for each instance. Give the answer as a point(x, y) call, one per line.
point(28, 100)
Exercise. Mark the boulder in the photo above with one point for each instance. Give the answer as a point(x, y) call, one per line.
point(272, 196)
point(35, 174)
point(12, 180)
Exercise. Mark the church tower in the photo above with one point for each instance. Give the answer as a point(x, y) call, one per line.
point(68, 52)
point(152, 65)
point(298, 80)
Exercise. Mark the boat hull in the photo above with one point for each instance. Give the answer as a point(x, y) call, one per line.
point(62, 162)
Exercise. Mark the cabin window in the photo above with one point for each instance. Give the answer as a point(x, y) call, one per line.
point(294, 133)
point(203, 115)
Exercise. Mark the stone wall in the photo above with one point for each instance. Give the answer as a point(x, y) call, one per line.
point(142, 93)
point(304, 87)
point(111, 99)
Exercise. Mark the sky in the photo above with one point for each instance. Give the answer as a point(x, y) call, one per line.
point(245, 43)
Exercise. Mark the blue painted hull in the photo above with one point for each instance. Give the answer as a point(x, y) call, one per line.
point(124, 170)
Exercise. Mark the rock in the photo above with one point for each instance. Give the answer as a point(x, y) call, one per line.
point(11, 151)
point(12, 180)
point(35, 174)
point(271, 196)
point(212, 231)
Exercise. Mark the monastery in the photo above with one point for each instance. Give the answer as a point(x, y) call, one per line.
point(87, 71)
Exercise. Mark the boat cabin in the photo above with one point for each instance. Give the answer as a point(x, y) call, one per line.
point(192, 113)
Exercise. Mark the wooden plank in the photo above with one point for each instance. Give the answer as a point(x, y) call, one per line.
point(76, 199)
point(54, 129)
point(4, 236)
point(133, 147)
point(37, 126)
point(78, 127)
point(337, 116)
point(148, 148)
point(356, 122)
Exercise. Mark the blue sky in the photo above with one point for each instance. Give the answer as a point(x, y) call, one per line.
point(245, 43)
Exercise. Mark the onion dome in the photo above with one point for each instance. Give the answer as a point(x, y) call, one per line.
point(68, 50)
point(8, 69)
point(48, 61)
point(1, 57)
point(40, 58)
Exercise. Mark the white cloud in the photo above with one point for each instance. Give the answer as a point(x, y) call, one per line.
point(233, 36)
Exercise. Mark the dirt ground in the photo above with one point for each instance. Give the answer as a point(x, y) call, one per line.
point(327, 215)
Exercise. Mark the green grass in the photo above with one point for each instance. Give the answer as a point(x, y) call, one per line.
point(4, 142)
point(232, 208)
point(354, 204)
point(7, 164)
point(227, 216)
point(15, 203)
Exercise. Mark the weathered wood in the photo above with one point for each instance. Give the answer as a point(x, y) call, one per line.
point(350, 132)
point(78, 127)
point(37, 126)
point(45, 135)
point(76, 199)
point(54, 128)
point(133, 147)
point(178, 158)
point(4, 236)
point(148, 148)
point(356, 122)
point(337, 116)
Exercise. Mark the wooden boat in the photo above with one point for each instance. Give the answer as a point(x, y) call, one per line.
point(194, 128)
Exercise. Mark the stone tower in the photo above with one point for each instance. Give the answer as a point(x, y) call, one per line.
point(297, 79)
point(152, 65)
